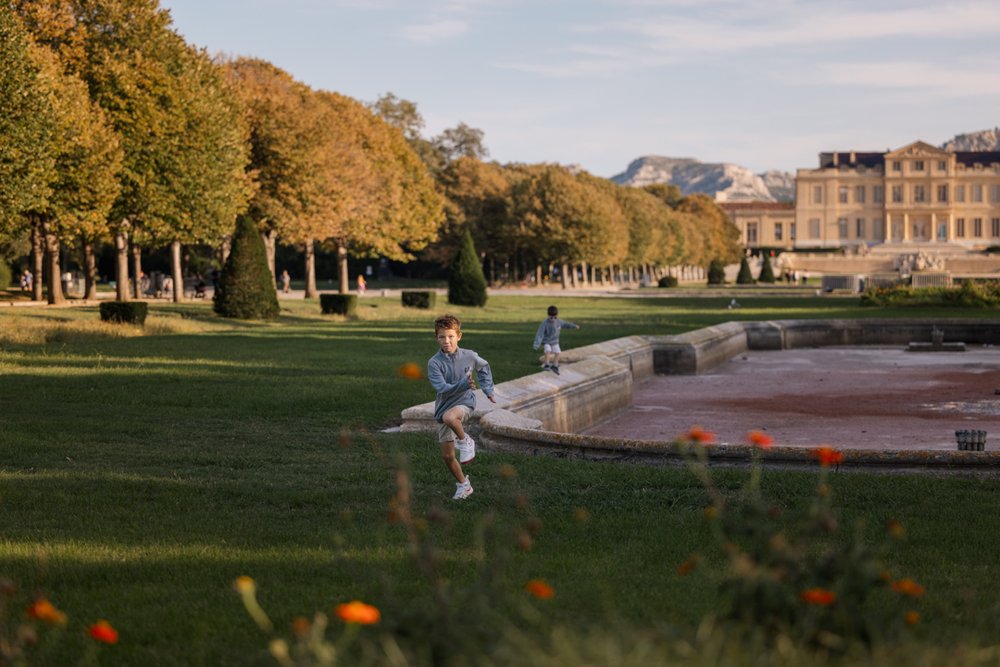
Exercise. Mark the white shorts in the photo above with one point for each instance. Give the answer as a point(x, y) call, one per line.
point(445, 434)
point(551, 348)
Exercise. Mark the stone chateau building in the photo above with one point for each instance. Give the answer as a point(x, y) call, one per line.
point(918, 196)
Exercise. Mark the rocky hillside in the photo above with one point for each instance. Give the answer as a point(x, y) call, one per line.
point(725, 182)
point(984, 140)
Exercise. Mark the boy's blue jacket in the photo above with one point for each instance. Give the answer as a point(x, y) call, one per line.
point(548, 331)
point(447, 375)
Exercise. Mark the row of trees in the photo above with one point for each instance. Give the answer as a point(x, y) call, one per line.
point(113, 128)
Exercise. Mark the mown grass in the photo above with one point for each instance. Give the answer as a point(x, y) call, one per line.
point(143, 471)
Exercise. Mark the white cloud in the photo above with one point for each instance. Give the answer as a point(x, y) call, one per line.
point(940, 80)
point(435, 30)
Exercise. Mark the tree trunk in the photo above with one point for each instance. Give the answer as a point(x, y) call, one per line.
point(564, 275)
point(538, 275)
point(270, 243)
point(37, 258)
point(136, 270)
point(175, 271)
point(121, 265)
point(54, 278)
point(89, 270)
point(342, 268)
point(311, 291)
point(227, 245)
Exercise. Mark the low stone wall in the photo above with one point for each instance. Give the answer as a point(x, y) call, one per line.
point(541, 413)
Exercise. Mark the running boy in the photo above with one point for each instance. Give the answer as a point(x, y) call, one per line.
point(548, 337)
point(450, 372)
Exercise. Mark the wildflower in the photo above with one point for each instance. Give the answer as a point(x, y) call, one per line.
point(895, 529)
point(908, 587)
point(818, 596)
point(43, 610)
point(912, 617)
point(103, 632)
point(699, 435)
point(410, 371)
point(245, 585)
point(358, 612)
point(540, 589)
point(760, 439)
point(688, 566)
point(581, 515)
point(827, 456)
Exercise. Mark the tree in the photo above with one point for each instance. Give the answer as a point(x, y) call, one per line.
point(466, 283)
point(744, 277)
point(246, 288)
point(717, 272)
point(461, 141)
point(404, 116)
point(766, 272)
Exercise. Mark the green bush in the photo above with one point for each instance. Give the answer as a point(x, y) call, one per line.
point(466, 282)
point(246, 286)
point(338, 304)
point(716, 272)
point(667, 281)
point(6, 277)
point(744, 277)
point(419, 298)
point(125, 312)
point(969, 295)
point(766, 271)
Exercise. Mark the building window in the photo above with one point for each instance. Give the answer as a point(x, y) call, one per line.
point(897, 194)
point(814, 228)
point(878, 194)
point(977, 227)
point(818, 194)
point(751, 233)
point(977, 192)
point(842, 194)
point(994, 193)
point(960, 193)
point(842, 227)
point(995, 227)
point(942, 231)
point(777, 231)
point(943, 193)
point(942, 165)
point(897, 165)
point(878, 229)
point(918, 165)
point(960, 228)
point(859, 194)
point(918, 193)
point(791, 231)
point(859, 228)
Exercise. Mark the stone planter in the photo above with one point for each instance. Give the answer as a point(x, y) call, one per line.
point(971, 440)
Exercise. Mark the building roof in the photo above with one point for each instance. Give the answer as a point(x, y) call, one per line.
point(756, 206)
point(984, 158)
point(851, 159)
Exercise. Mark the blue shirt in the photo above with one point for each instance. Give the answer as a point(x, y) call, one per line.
point(548, 331)
point(447, 373)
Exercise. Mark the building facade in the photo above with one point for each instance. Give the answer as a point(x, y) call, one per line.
point(917, 194)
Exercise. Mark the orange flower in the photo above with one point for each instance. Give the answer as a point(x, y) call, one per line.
point(818, 596)
point(358, 612)
point(760, 439)
point(245, 585)
point(908, 587)
point(43, 610)
point(912, 617)
point(827, 456)
point(699, 435)
point(687, 566)
point(103, 632)
point(540, 589)
point(410, 371)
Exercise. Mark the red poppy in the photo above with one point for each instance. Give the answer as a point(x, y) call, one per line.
point(540, 589)
point(908, 587)
point(410, 371)
point(358, 612)
point(43, 610)
point(818, 596)
point(912, 617)
point(687, 566)
point(827, 456)
point(760, 439)
point(699, 435)
point(103, 632)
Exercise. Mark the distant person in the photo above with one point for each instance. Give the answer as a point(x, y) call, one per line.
point(362, 284)
point(547, 338)
point(168, 287)
point(27, 280)
point(450, 373)
point(286, 282)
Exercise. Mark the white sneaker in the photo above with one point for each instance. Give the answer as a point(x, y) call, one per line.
point(463, 491)
point(466, 449)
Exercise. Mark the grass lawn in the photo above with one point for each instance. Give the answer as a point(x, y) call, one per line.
point(141, 474)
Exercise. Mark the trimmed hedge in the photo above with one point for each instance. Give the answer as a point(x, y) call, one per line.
point(418, 298)
point(246, 286)
point(766, 271)
point(744, 277)
point(338, 304)
point(968, 295)
point(716, 272)
point(124, 312)
point(466, 282)
point(667, 281)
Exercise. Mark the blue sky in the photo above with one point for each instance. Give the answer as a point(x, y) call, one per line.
point(764, 84)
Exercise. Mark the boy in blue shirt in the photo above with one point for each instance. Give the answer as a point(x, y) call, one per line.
point(450, 372)
point(548, 338)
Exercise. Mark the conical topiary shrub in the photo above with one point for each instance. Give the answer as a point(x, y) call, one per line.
point(766, 272)
point(246, 286)
point(466, 282)
point(716, 272)
point(744, 277)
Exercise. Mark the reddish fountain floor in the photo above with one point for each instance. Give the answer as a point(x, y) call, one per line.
point(877, 398)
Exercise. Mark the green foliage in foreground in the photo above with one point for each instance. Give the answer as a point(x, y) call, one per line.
point(142, 474)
